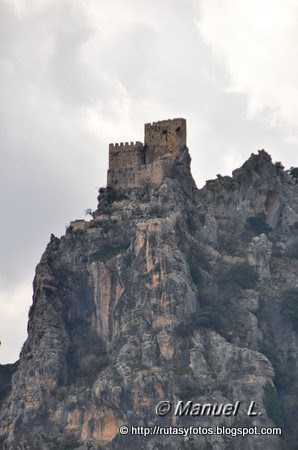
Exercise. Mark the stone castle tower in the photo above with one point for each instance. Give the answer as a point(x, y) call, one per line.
point(132, 164)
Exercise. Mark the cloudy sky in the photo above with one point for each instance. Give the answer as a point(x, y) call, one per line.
point(78, 74)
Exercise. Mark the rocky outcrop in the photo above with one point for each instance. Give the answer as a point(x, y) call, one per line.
point(259, 254)
point(137, 306)
point(6, 372)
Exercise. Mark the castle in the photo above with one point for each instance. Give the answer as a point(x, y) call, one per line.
point(132, 164)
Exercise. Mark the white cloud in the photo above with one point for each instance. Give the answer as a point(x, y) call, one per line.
point(76, 75)
point(257, 40)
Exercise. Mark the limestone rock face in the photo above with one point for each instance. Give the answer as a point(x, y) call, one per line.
point(259, 254)
point(135, 307)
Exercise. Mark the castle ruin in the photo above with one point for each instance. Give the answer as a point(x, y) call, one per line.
point(133, 164)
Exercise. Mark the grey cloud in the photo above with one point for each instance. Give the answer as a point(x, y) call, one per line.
point(72, 81)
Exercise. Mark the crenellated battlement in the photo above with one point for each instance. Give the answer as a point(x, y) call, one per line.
point(168, 122)
point(125, 145)
point(126, 154)
point(131, 163)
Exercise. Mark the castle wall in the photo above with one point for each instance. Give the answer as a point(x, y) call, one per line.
point(122, 177)
point(78, 224)
point(164, 138)
point(130, 177)
point(131, 165)
point(126, 155)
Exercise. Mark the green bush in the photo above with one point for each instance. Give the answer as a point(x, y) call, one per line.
point(271, 403)
point(195, 271)
point(294, 226)
point(92, 364)
point(181, 367)
point(183, 329)
point(282, 373)
point(258, 224)
point(65, 275)
point(109, 251)
point(289, 307)
point(191, 223)
point(196, 260)
point(201, 258)
point(293, 250)
point(114, 375)
point(243, 275)
point(138, 367)
point(230, 244)
point(205, 318)
point(155, 210)
point(67, 442)
point(193, 444)
point(188, 392)
point(190, 389)
point(294, 172)
point(270, 350)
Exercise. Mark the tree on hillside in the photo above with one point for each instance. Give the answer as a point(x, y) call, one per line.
point(294, 173)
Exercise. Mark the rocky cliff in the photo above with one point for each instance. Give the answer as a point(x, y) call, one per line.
point(168, 293)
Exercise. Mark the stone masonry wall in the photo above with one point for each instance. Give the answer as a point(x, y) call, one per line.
point(164, 138)
point(131, 165)
point(126, 155)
